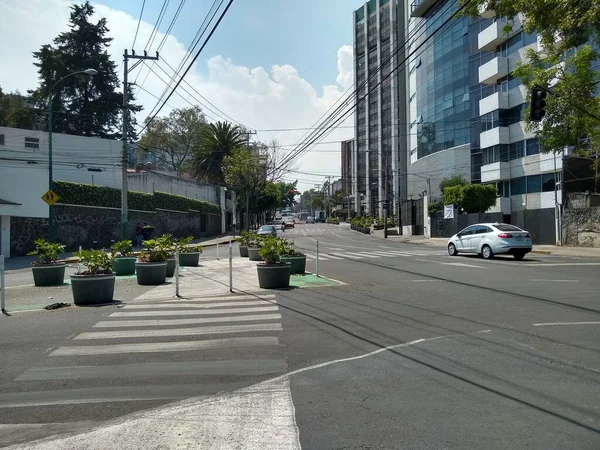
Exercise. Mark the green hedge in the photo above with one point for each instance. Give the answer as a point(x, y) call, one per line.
point(89, 195)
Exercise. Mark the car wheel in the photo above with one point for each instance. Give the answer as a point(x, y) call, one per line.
point(452, 250)
point(519, 256)
point(486, 252)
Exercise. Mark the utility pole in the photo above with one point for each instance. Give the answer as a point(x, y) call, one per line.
point(125, 151)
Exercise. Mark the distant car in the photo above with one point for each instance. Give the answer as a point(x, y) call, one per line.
point(278, 217)
point(288, 221)
point(267, 230)
point(489, 239)
point(310, 220)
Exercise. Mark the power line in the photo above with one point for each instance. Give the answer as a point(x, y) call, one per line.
point(138, 25)
point(147, 122)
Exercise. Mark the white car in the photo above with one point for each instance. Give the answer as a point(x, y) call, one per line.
point(489, 239)
point(289, 222)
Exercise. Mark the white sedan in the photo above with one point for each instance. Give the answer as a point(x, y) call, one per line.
point(489, 239)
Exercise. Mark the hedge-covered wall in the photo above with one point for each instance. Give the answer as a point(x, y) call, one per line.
point(90, 195)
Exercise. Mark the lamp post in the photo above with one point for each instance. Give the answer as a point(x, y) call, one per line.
point(50, 181)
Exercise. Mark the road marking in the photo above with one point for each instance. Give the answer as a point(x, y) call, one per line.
point(214, 299)
point(560, 264)
point(158, 347)
point(239, 367)
point(179, 331)
point(175, 322)
point(328, 256)
point(195, 312)
point(365, 254)
point(188, 304)
point(564, 323)
point(346, 255)
point(336, 248)
point(458, 264)
point(321, 258)
point(559, 281)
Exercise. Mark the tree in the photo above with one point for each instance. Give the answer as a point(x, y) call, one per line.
point(15, 112)
point(218, 141)
point(471, 198)
point(569, 35)
point(175, 136)
point(288, 193)
point(454, 180)
point(83, 105)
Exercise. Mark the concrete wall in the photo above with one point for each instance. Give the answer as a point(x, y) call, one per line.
point(82, 225)
point(150, 181)
point(581, 220)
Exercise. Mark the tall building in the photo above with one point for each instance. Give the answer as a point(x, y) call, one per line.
point(348, 166)
point(379, 120)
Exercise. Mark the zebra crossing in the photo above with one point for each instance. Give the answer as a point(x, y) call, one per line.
point(157, 350)
point(371, 254)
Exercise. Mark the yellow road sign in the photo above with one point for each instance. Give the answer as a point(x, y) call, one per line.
point(50, 197)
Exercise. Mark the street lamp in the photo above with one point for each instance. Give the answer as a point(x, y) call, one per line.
point(50, 183)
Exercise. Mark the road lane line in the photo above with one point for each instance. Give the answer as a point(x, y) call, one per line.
point(555, 281)
point(179, 331)
point(189, 304)
point(175, 322)
point(195, 312)
point(160, 347)
point(559, 264)
point(550, 324)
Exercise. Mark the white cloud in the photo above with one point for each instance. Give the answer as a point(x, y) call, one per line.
point(261, 98)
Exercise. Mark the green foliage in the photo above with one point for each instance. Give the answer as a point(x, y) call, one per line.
point(256, 241)
point(267, 198)
point(334, 220)
point(471, 198)
point(287, 199)
point(434, 207)
point(48, 252)
point(454, 180)
point(287, 248)
point(362, 222)
point(312, 199)
point(244, 238)
point(154, 251)
point(97, 262)
point(271, 250)
point(175, 136)
point(184, 245)
point(84, 105)
point(89, 195)
point(218, 141)
point(122, 248)
point(15, 112)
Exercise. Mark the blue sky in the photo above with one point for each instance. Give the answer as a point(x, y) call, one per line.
point(305, 34)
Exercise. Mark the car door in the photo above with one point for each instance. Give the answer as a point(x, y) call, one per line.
point(477, 237)
point(463, 241)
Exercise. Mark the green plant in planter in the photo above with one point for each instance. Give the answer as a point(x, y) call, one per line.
point(287, 248)
point(154, 251)
point(256, 241)
point(184, 245)
point(97, 262)
point(244, 239)
point(167, 243)
point(122, 248)
point(48, 252)
point(270, 250)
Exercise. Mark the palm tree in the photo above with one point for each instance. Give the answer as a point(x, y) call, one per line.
point(218, 140)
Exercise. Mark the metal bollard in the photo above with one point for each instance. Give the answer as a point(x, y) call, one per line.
point(317, 260)
point(218, 251)
point(2, 286)
point(176, 273)
point(79, 261)
point(230, 267)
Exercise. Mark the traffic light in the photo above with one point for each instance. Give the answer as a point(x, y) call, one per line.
point(537, 107)
point(292, 191)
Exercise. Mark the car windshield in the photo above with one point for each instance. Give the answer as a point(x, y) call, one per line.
point(506, 227)
point(266, 228)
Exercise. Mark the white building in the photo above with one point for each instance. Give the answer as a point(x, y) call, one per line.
point(24, 174)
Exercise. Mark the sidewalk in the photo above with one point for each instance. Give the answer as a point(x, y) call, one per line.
point(23, 262)
point(581, 252)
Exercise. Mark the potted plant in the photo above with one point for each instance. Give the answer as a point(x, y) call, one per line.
point(189, 255)
point(167, 242)
point(255, 243)
point(151, 267)
point(123, 262)
point(48, 271)
point(273, 274)
point(289, 254)
point(243, 241)
point(96, 284)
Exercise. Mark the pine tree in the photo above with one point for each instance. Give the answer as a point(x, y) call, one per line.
point(83, 105)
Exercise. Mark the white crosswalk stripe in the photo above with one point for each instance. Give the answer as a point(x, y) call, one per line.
point(348, 255)
point(364, 254)
point(374, 254)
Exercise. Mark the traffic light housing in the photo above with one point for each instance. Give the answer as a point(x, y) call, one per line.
point(537, 107)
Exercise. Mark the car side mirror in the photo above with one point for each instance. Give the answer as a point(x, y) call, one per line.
point(460, 235)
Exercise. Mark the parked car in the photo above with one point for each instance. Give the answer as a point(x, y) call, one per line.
point(267, 230)
point(289, 222)
point(310, 219)
point(489, 239)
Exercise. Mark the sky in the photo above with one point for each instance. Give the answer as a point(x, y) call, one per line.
point(271, 64)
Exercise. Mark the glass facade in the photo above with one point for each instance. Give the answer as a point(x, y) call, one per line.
point(442, 75)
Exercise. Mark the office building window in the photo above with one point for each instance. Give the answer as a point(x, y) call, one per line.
point(534, 184)
point(548, 182)
point(532, 146)
point(32, 142)
point(518, 186)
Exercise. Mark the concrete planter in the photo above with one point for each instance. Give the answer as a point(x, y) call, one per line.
point(274, 276)
point(93, 289)
point(243, 251)
point(254, 254)
point(297, 263)
point(191, 259)
point(124, 265)
point(170, 267)
point(151, 274)
point(49, 274)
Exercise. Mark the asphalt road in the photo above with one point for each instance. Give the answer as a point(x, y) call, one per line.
point(415, 350)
